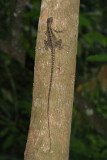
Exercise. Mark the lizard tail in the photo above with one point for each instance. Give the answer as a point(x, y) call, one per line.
point(50, 85)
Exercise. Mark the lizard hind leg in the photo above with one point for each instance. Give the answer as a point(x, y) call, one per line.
point(59, 44)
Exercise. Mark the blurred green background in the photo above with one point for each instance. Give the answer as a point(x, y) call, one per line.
point(16, 80)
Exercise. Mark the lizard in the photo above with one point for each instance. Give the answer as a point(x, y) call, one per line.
point(51, 43)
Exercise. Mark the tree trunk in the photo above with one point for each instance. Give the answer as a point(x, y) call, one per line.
point(54, 76)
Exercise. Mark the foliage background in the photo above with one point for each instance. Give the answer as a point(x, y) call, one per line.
point(16, 81)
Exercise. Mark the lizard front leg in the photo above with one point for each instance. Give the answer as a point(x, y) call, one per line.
point(57, 31)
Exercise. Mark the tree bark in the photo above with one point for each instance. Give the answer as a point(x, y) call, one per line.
point(65, 18)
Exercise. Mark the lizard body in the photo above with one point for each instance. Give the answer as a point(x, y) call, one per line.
point(51, 43)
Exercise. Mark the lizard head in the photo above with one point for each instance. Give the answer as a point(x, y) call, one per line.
point(50, 20)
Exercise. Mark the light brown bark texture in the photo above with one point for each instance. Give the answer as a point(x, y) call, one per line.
point(65, 18)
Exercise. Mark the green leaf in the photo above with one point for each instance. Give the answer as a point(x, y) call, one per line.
point(84, 21)
point(4, 132)
point(97, 58)
point(93, 37)
point(8, 142)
